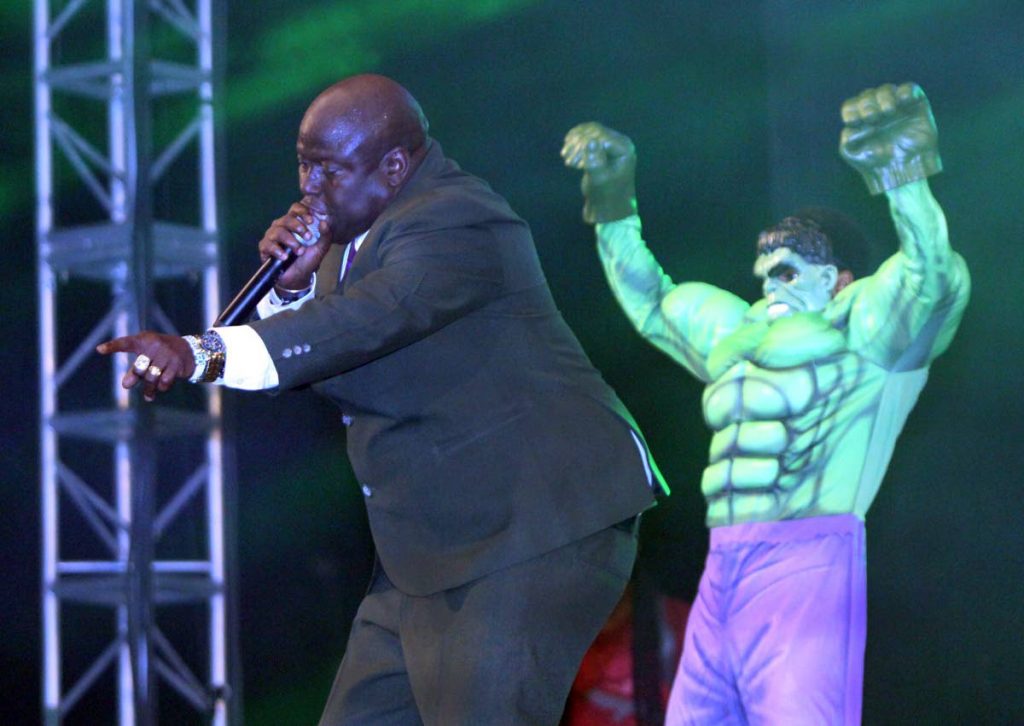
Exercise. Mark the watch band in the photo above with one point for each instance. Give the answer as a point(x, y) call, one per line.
point(213, 344)
point(200, 357)
point(289, 296)
point(286, 295)
point(209, 355)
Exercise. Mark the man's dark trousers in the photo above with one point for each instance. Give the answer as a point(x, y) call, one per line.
point(503, 649)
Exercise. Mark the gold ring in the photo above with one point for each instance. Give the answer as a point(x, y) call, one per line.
point(141, 364)
point(155, 371)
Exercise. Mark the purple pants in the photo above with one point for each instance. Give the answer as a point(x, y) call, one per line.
point(776, 635)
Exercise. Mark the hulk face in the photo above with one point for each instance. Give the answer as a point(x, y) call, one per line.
point(792, 284)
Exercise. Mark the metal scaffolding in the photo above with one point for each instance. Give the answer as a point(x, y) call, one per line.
point(137, 531)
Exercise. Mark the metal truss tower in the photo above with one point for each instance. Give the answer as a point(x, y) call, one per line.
point(134, 573)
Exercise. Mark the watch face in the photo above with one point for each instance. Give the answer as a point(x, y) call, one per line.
point(212, 342)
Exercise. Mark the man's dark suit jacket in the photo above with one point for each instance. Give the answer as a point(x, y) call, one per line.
point(480, 431)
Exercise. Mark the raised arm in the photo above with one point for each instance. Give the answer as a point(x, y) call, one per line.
point(906, 314)
point(685, 321)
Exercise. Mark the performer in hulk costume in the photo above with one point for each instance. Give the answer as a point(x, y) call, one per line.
point(807, 391)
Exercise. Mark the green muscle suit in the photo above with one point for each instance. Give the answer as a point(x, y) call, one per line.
point(806, 390)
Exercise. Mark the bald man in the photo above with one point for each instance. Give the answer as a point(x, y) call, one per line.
point(502, 477)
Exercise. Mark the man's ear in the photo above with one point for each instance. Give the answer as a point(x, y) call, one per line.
point(844, 278)
point(396, 166)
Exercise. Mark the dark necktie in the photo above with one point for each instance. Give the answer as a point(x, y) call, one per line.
point(348, 262)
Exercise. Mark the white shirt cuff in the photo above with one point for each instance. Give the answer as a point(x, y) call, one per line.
point(247, 362)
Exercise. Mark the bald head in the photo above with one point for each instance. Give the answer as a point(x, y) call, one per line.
point(367, 115)
point(360, 141)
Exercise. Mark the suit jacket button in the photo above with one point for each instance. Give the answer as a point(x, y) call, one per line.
point(346, 420)
point(297, 350)
point(367, 492)
point(306, 347)
point(287, 353)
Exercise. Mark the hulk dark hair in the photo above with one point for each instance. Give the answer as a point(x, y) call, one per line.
point(814, 233)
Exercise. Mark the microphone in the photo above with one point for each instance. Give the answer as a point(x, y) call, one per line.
point(240, 308)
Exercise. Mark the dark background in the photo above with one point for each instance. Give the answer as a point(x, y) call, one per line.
point(734, 110)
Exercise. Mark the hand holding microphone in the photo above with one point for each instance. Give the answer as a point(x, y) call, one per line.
point(292, 249)
point(299, 235)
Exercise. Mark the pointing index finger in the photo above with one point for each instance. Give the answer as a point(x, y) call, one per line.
point(125, 344)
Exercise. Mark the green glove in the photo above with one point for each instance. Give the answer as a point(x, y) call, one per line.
point(890, 136)
point(608, 161)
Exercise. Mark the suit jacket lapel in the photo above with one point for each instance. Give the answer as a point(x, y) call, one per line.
point(327, 275)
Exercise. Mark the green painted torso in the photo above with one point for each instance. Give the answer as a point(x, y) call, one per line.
point(791, 409)
point(805, 410)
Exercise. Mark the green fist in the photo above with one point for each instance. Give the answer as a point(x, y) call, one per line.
point(890, 136)
point(608, 161)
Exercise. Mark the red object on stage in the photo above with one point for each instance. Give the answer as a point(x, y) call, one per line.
point(603, 692)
